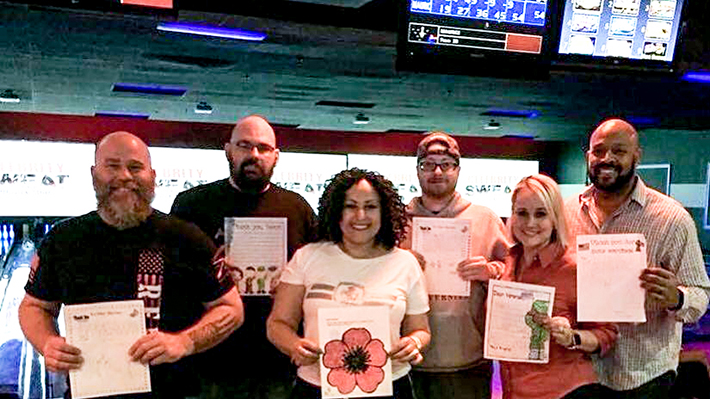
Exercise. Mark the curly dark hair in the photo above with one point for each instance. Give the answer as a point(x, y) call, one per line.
point(331, 204)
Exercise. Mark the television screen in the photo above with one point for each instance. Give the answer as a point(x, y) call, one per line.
point(620, 32)
point(487, 37)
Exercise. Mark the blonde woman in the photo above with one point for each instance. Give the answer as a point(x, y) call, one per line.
point(542, 255)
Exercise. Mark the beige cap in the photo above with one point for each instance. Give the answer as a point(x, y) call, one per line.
point(452, 147)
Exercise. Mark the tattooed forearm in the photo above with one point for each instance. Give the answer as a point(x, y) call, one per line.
point(215, 326)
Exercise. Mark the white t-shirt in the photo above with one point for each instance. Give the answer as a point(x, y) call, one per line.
point(334, 279)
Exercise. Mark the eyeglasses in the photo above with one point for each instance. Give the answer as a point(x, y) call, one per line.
point(249, 147)
point(445, 166)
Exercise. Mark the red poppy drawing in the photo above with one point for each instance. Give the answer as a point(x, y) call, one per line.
point(357, 360)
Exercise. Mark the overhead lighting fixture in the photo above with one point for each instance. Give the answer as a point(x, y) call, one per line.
point(697, 76)
point(492, 125)
point(361, 119)
point(9, 96)
point(122, 114)
point(203, 108)
point(212, 31)
point(512, 113)
point(156, 89)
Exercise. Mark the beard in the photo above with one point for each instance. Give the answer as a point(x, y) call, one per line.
point(129, 211)
point(250, 182)
point(439, 190)
point(615, 186)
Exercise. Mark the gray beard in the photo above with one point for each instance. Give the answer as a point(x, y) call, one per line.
point(125, 216)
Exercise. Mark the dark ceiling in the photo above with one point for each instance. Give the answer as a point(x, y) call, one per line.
point(321, 65)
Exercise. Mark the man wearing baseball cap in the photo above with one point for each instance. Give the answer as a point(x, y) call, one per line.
point(453, 365)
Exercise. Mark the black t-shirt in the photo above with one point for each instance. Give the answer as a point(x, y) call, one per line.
point(164, 261)
point(207, 206)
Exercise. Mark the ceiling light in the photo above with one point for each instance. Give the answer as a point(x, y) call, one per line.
point(697, 76)
point(361, 119)
point(512, 113)
point(9, 96)
point(492, 125)
point(203, 108)
point(122, 114)
point(213, 31)
point(149, 88)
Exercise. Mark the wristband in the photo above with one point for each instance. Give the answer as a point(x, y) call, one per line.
point(681, 299)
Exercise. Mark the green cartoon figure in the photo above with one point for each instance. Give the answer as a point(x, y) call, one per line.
point(539, 334)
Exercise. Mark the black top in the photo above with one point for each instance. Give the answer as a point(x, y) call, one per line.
point(84, 260)
point(207, 206)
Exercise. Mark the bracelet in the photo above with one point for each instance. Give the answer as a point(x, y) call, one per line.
point(417, 341)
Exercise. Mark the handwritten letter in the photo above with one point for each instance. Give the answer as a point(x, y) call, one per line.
point(608, 271)
point(256, 253)
point(443, 242)
point(104, 332)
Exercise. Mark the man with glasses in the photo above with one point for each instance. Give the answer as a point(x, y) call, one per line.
point(247, 365)
point(453, 364)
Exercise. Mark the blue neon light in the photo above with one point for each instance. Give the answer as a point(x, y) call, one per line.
point(697, 76)
point(205, 30)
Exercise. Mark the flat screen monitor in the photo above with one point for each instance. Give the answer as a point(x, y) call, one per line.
point(620, 33)
point(510, 38)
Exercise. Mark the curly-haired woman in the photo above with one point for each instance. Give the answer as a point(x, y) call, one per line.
point(361, 220)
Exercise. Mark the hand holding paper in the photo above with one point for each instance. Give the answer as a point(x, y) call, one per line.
point(158, 347)
point(475, 269)
point(60, 356)
point(661, 285)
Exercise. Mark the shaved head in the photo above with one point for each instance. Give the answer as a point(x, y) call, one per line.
point(612, 157)
point(122, 139)
point(251, 125)
point(252, 154)
point(616, 126)
point(124, 180)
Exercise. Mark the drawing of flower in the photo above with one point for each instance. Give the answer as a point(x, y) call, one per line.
point(357, 360)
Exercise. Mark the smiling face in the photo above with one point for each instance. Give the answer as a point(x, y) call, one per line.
point(612, 156)
point(531, 221)
point(362, 215)
point(123, 179)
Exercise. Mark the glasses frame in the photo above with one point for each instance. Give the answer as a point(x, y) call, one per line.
point(439, 165)
point(246, 146)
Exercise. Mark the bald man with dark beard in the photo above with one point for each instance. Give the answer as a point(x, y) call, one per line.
point(126, 250)
point(644, 360)
point(247, 365)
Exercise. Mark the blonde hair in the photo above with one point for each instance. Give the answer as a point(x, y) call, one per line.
point(549, 193)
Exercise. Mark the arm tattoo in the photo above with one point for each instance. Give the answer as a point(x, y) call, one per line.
point(212, 332)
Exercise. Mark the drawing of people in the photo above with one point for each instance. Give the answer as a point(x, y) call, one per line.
point(539, 334)
point(272, 278)
point(251, 275)
point(261, 279)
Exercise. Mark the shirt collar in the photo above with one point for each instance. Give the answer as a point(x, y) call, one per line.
point(638, 194)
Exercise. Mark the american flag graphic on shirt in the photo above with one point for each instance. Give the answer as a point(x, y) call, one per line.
point(150, 283)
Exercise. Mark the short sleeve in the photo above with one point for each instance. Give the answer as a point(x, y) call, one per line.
point(417, 297)
point(294, 271)
point(198, 251)
point(43, 281)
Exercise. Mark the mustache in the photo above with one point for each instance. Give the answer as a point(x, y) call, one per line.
point(607, 165)
point(250, 162)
